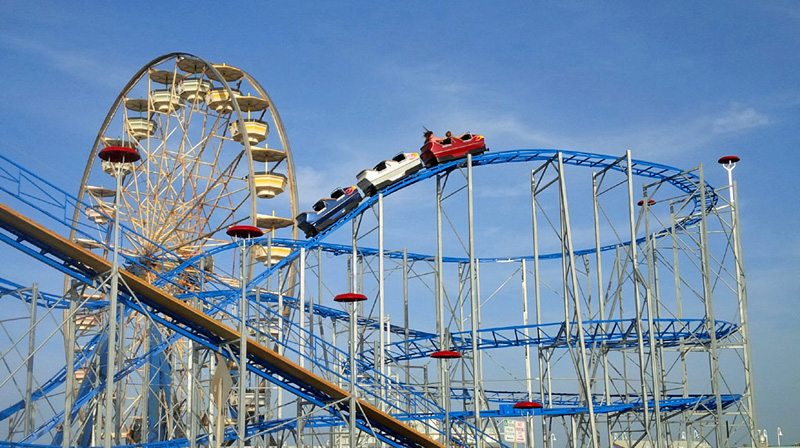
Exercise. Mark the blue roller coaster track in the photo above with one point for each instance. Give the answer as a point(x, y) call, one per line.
point(53, 203)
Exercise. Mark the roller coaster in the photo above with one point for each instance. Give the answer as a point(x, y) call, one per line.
point(174, 334)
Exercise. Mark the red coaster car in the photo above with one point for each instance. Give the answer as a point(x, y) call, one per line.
point(440, 150)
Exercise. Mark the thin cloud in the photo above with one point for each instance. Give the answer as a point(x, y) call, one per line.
point(676, 137)
point(738, 119)
point(456, 102)
point(71, 63)
point(693, 133)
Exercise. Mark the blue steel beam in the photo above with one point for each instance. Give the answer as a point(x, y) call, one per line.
point(615, 334)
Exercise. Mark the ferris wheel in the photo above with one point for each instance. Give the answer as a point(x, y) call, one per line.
point(212, 153)
point(208, 160)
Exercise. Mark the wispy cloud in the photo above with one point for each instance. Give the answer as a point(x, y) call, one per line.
point(738, 118)
point(681, 135)
point(691, 133)
point(453, 99)
point(70, 62)
point(426, 78)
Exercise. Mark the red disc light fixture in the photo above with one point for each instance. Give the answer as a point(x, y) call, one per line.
point(244, 232)
point(728, 159)
point(119, 154)
point(445, 354)
point(349, 297)
point(528, 405)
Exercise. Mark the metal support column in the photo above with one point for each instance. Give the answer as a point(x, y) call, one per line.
point(474, 304)
point(713, 354)
point(729, 163)
point(529, 436)
point(439, 296)
point(637, 298)
point(29, 407)
point(651, 303)
point(381, 310)
point(544, 364)
point(573, 281)
point(69, 342)
point(601, 298)
point(111, 357)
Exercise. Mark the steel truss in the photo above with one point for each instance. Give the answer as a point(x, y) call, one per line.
point(651, 345)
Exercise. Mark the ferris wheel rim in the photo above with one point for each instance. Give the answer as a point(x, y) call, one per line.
point(211, 71)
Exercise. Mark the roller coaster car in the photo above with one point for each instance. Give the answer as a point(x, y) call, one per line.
point(328, 210)
point(440, 150)
point(388, 172)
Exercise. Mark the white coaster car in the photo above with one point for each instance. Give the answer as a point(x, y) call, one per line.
point(388, 172)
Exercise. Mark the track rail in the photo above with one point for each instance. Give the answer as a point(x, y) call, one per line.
point(684, 181)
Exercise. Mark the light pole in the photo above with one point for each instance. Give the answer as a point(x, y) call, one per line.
point(528, 409)
point(729, 163)
point(241, 235)
point(352, 299)
point(444, 355)
point(120, 159)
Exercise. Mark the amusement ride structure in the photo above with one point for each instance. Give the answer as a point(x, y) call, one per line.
point(192, 315)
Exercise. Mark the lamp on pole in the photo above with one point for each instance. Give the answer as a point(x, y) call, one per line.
point(528, 408)
point(242, 235)
point(120, 159)
point(729, 163)
point(352, 299)
point(445, 355)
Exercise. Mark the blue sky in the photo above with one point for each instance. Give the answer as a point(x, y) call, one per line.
point(678, 83)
